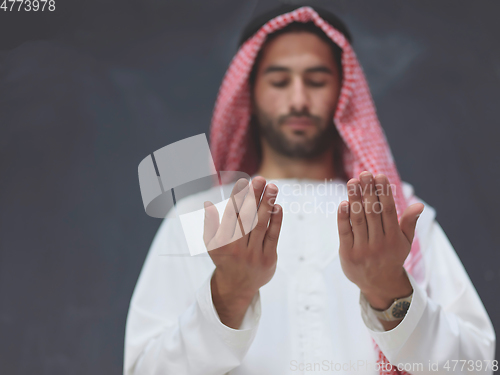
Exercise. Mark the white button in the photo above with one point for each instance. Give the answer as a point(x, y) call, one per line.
point(306, 307)
point(301, 259)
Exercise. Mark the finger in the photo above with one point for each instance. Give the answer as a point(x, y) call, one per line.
point(346, 236)
point(389, 213)
point(240, 190)
point(409, 220)
point(248, 210)
point(211, 223)
point(273, 232)
point(229, 223)
point(356, 212)
point(372, 207)
point(263, 214)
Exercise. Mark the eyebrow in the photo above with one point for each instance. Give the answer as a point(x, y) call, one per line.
point(314, 69)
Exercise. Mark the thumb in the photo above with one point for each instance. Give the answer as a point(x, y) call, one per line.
point(409, 219)
point(211, 223)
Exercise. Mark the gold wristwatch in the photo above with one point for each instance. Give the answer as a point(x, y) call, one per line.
point(396, 311)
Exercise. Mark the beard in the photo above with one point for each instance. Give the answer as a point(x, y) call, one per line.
point(302, 146)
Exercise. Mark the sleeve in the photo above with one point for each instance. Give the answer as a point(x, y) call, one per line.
point(172, 325)
point(446, 329)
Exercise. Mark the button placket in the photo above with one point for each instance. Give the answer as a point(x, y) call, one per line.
point(302, 327)
point(300, 218)
point(310, 310)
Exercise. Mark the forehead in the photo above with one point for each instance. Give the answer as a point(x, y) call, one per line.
point(297, 50)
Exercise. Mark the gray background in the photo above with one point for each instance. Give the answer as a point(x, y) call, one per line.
point(88, 91)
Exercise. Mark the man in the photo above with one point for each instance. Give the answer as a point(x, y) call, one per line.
point(365, 290)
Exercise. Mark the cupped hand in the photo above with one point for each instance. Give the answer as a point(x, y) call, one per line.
point(245, 258)
point(373, 243)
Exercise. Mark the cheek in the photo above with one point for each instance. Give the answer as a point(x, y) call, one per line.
point(270, 101)
point(325, 103)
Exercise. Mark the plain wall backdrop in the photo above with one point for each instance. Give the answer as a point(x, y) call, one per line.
point(90, 90)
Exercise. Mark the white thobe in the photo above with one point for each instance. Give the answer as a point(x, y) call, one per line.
point(309, 319)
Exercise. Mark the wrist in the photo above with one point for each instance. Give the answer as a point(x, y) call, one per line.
point(226, 293)
point(382, 298)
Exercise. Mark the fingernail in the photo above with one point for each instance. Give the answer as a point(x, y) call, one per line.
point(344, 206)
point(272, 188)
point(366, 178)
point(206, 204)
point(241, 184)
point(257, 183)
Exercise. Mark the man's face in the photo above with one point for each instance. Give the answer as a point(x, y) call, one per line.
point(297, 85)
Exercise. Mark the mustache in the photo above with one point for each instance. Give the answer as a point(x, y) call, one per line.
point(315, 119)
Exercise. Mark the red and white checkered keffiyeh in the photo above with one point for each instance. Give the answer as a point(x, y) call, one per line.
point(355, 119)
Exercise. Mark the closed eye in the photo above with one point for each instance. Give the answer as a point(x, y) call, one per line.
point(316, 83)
point(279, 83)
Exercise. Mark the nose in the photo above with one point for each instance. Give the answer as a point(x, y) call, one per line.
point(299, 98)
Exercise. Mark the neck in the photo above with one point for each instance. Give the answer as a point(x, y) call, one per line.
point(278, 166)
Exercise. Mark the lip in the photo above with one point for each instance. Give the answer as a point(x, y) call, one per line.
point(297, 124)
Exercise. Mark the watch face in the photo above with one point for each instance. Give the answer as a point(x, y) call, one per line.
point(399, 310)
